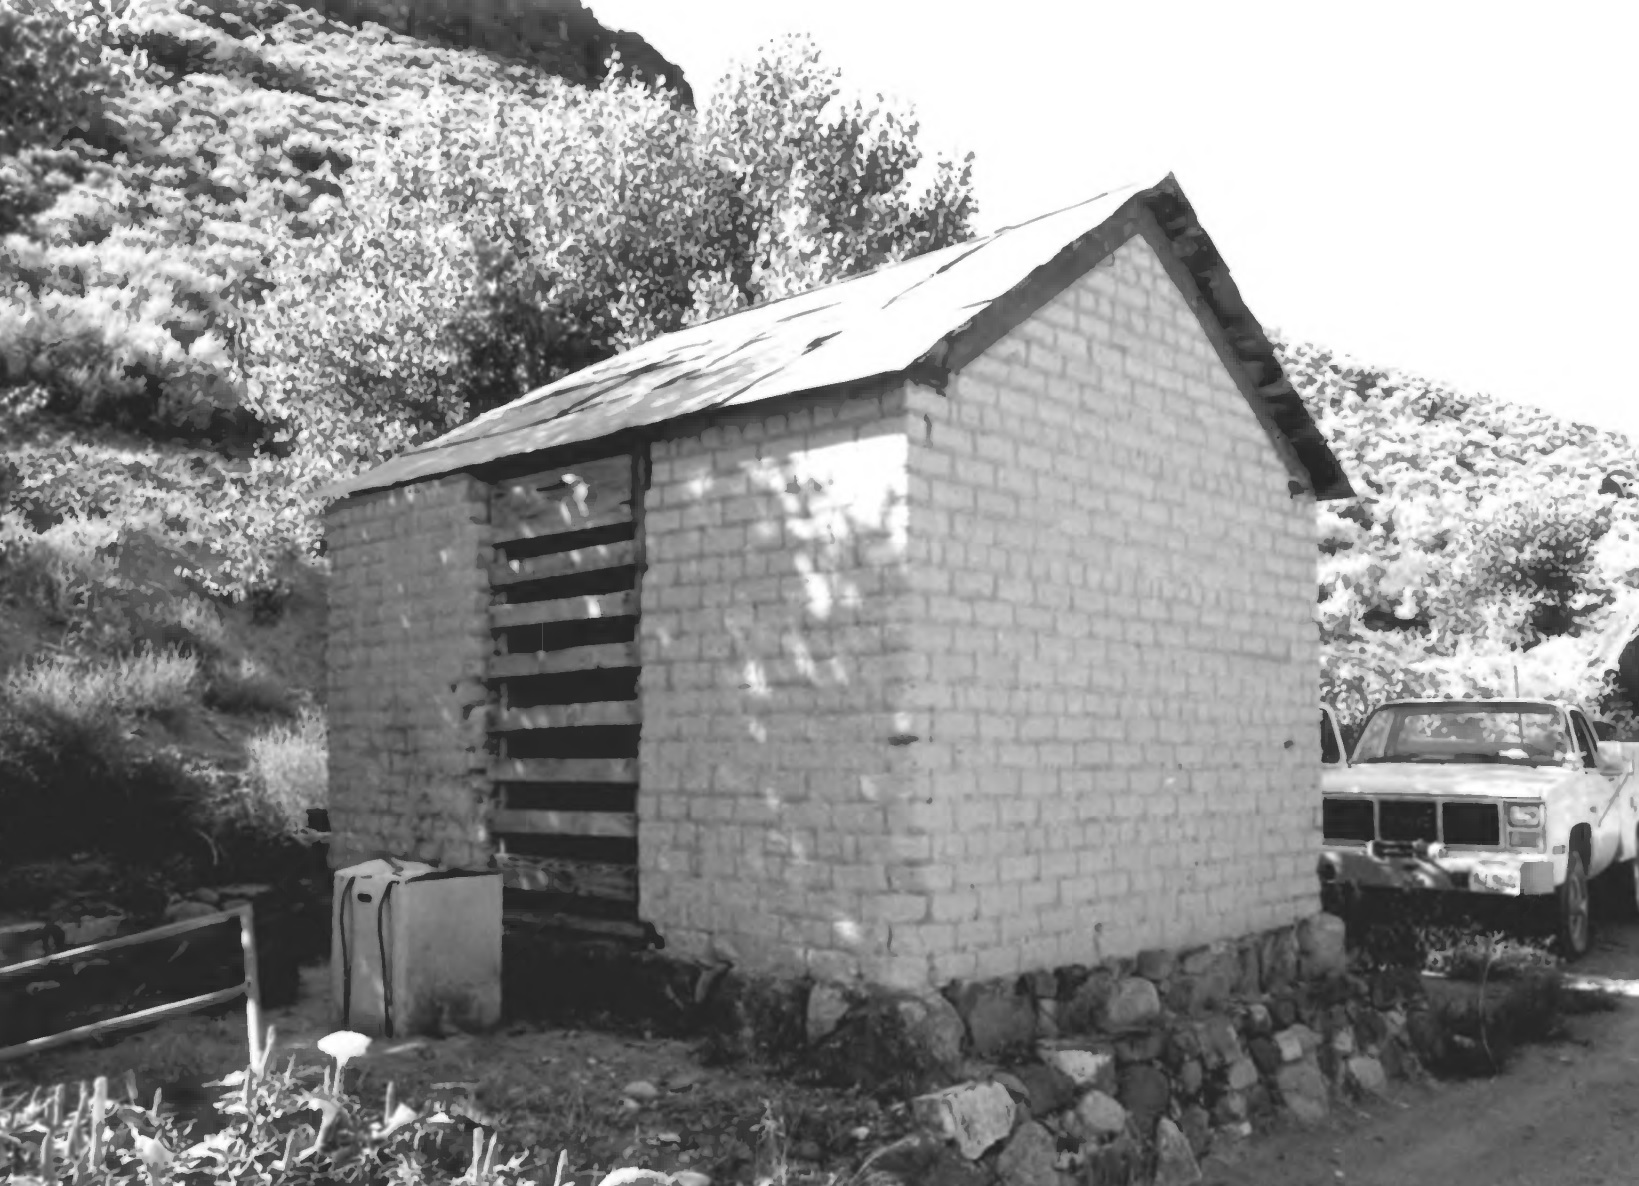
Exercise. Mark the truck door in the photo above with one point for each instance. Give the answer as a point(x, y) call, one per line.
point(1603, 785)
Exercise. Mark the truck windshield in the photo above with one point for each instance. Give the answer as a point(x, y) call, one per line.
point(1528, 734)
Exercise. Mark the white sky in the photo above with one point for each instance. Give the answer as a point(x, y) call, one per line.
point(1443, 187)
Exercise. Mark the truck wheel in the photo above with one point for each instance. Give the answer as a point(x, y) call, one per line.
point(1573, 928)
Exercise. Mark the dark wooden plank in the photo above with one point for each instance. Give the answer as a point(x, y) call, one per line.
point(570, 659)
point(560, 521)
point(564, 564)
point(585, 879)
point(567, 716)
point(524, 914)
point(619, 824)
point(564, 609)
point(615, 770)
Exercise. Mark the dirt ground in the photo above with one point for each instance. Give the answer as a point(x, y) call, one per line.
point(548, 1089)
point(1563, 1114)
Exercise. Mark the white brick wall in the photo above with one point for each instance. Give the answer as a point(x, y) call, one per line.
point(1113, 629)
point(1022, 675)
point(773, 659)
point(408, 637)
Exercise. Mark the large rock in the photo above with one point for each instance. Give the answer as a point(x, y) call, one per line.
point(1190, 1078)
point(1220, 1044)
point(1133, 1003)
point(933, 1027)
point(1047, 1089)
point(1196, 1123)
point(1278, 959)
point(1145, 1093)
point(1320, 946)
point(1156, 964)
point(1175, 1163)
point(827, 1006)
point(1243, 1073)
point(1295, 1042)
point(1115, 1164)
point(975, 1116)
point(1085, 1066)
point(998, 1016)
point(1141, 1045)
point(1029, 1158)
point(1303, 1090)
point(1084, 1011)
point(1267, 1054)
point(1365, 1075)
point(1097, 1116)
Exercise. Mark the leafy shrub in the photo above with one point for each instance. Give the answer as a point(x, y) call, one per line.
point(288, 769)
point(280, 1127)
point(71, 784)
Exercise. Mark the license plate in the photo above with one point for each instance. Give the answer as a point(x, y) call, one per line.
point(1494, 880)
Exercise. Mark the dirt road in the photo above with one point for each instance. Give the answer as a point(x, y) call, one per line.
point(1565, 1114)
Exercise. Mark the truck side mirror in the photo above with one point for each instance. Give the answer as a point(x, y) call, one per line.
point(1611, 756)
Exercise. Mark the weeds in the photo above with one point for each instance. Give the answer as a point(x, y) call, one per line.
point(288, 770)
point(104, 693)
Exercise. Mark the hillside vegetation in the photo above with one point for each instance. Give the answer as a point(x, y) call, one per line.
point(1490, 542)
point(248, 250)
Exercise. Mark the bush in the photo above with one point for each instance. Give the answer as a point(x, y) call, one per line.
point(288, 770)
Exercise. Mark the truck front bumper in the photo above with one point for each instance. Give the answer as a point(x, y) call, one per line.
point(1503, 874)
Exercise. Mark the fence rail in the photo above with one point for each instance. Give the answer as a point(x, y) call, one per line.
point(249, 988)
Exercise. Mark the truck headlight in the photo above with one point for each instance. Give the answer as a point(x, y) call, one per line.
point(1525, 815)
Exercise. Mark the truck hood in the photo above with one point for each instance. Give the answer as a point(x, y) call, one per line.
point(1456, 780)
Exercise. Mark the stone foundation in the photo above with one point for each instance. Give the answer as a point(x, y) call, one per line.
point(1098, 1074)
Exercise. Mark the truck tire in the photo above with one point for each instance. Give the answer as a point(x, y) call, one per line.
point(1574, 926)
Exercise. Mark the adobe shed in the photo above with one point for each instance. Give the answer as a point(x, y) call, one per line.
point(946, 622)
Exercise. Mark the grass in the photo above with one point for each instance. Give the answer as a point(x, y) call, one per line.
point(288, 771)
point(108, 692)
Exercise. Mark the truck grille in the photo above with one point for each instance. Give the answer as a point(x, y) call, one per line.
point(1476, 825)
point(1408, 820)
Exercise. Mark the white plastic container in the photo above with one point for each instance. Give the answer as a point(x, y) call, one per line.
point(414, 949)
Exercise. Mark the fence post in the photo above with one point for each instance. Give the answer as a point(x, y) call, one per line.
point(253, 985)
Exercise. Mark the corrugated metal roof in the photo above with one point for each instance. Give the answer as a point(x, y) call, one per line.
point(882, 323)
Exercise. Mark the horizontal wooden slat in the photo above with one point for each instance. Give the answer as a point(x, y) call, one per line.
point(564, 769)
point(563, 564)
point(586, 879)
point(570, 659)
point(567, 716)
point(564, 609)
point(620, 824)
point(566, 518)
point(608, 479)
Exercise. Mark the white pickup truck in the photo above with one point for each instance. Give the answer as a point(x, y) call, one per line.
point(1499, 797)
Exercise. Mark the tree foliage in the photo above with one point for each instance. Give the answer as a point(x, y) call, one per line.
point(295, 247)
